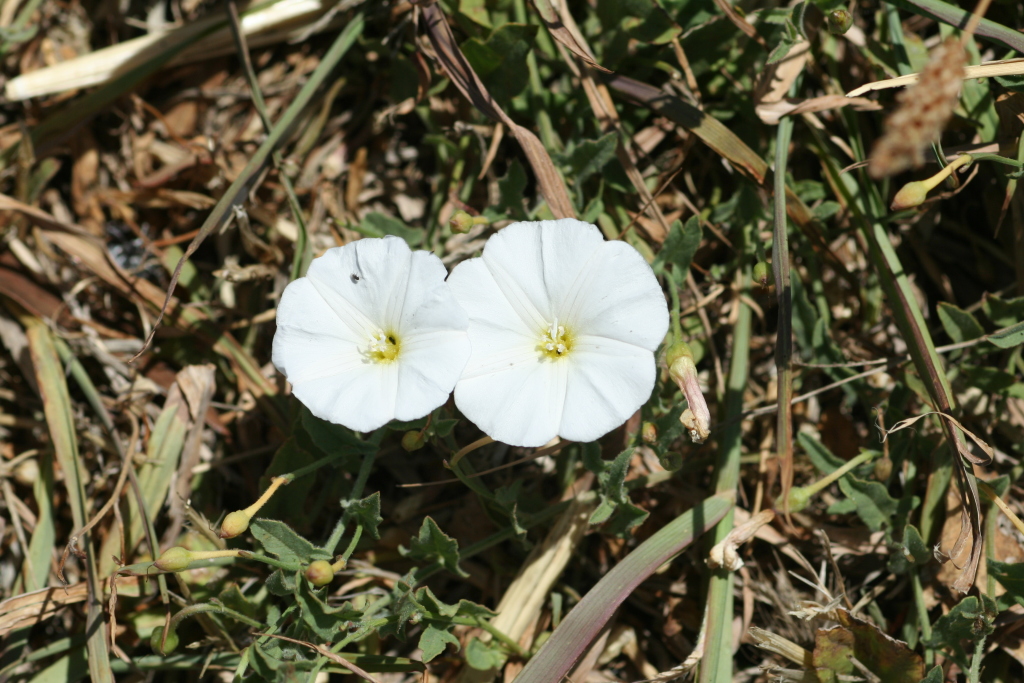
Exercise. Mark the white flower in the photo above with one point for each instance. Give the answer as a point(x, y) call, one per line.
point(563, 327)
point(370, 334)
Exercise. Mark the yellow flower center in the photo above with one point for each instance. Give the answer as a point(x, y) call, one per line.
point(556, 341)
point(384, 347)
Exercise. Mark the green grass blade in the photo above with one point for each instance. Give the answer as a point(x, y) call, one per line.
point(587, 618)
point(717, 664)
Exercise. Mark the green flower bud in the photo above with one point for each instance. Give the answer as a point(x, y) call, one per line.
point(762, 274)
point(174, 559)
point(460, 222)
point(319, 573)
point(839, 22)
point(234, 524)
point(163, 646)
point(413, 440)
point(910, 195)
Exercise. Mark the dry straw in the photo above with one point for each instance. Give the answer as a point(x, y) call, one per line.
point(923, 112)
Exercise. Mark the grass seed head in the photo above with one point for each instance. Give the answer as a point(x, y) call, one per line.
point(924, 110)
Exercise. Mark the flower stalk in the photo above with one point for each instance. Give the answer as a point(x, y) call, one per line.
point(914, 193)
point(238, 521)
point(800, 496)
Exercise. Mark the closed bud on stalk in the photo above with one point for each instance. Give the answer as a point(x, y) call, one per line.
point(910, 195)
point(234, 524)
point(174, 559)
point(883, 469)
point(649, 433)
point(762, 274)
point(238, 521)
point(460, 222)
point(319, 573)
point(839, 22)
point(413, 440)
point(161, 645)
point(696, 418)
point(914, 193)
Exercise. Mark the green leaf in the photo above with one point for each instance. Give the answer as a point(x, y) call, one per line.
point(821, 457)
point(433, 544)
point(507, 497)
point(434, 640)
point(231, 596)
point(484, 656)
point(681, 244)
point(512, 189)
point(959, 324)
point(626, 517)
point(378, 225)
point(280, 583)
point(443, 428)
point(914, 547)
point(1003, 312)
point(476, 11)
point(934, 676)
point(278, 539)
point(366, 513)
point(500, 61)
point(321, 618)
point(1010, 337)
point(590, 156)
point(643, 20)
point(1011, 576)
point(330, 438)
point(875, 506)
point(969, 620)
point(782, 49)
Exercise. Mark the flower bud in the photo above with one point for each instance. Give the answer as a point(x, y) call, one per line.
point(235, 523)
point(319, 573)
point(762, 274)
point(161, 645)
point(839, 22)
point(649, 433)
point(174, 559)
point(910, 195)
point(460, 222)
point(413, 440)
point(696, 418)
point(883, 468)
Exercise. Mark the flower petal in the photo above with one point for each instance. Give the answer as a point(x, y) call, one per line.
point(322, 357)
point(520, 405)
point(535, 263)
point(429, 365)
point(364, 282)
point(617, 296)
point(607, 382)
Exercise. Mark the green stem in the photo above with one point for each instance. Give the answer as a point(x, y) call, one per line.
point(215, 608)
point(922, 616)
point(717, 664)
point(673, 291)
point(357, 491)
point(352, 544)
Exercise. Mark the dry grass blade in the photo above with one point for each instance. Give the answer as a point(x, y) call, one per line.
point(61, 423)
point(29, 609)
point(565, 35)
point(103, 66)
point(242, 184)
point(455, 64)
point(1002, 67)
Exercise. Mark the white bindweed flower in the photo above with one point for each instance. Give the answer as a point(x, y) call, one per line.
point(563, 326)
point(372, 333)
